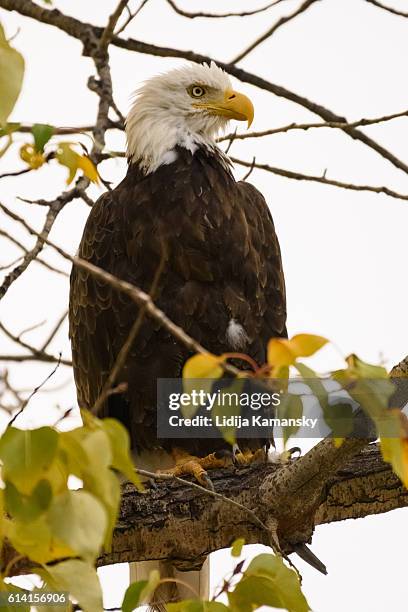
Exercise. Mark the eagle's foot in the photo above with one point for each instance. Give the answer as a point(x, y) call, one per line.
point(197, 466)
point(247, 456)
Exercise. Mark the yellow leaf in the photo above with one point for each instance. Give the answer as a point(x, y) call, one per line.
point(35, 540)
point(280, 353)
point(68, 157)
point(203, 366)
point(11, 77)
point(88, 168)
point(305, 345)
point(236, 547)
point(31, 156)
point(394, 448)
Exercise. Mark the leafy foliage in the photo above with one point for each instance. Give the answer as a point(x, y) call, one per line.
point(47, 521)
point(11, 77)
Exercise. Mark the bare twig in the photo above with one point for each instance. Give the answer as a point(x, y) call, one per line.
point(18, 173)
point(307, 126)
point(11, 263)
point(27, 400)
point(388, 8)
point(251, 168)
point(131, 16)
point(282, 21)
point(222, 15)
point(37, 354)
point(26, 128)
point(38, 259)
point(321, 179)
point(54, 331)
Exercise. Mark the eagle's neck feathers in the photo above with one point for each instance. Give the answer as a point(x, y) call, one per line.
point(154, 133)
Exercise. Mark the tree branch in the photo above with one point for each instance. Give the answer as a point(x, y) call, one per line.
point(298, 176)
point(182, 523)
point(387, 8)
point(89, 34)
point(307, 126)
point(190, 15)
point(282, 21)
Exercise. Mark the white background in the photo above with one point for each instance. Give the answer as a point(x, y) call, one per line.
point(344, 252)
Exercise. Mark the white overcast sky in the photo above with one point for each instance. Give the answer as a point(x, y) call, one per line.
point(344, 252)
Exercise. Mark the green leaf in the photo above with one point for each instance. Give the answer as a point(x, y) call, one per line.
point(268, 582)
point(79, 520)
point(11, 77)
point(140, 592)
point(9, 128)
point(11, 588)
point(27, 455)
point(132, 598)
point(79, 579)
point(42, 134)
point(35, 540)
point(236, 547)
point(28, 507)
point(120, 449)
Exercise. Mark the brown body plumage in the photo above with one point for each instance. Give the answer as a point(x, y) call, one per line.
point(220, 262)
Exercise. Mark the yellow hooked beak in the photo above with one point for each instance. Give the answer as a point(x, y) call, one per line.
point(233, 105)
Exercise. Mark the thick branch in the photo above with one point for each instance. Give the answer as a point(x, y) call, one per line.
point(173, 521)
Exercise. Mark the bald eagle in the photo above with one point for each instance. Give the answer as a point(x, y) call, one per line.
point(179, 207)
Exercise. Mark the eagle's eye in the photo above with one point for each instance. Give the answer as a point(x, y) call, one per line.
point(197, 91)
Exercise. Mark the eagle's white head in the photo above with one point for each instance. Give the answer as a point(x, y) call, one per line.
point(186, 107)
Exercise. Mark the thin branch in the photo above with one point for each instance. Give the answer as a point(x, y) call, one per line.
point(31, 255)
point(26, 128)
point(11, 264)
point(18, 173)
point(28, 399)
point(54, 331)
point(38, 354)
point(38, 259)
point(222, 15)
point(387, 8)
point(282, 21)
point(131, 17)
point(307, 126)
point(107, 34)
point(87, 34)
point(297, 176)
point(38, 357)
point(251, 169)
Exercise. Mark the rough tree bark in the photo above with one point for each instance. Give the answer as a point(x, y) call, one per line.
point(173, 521)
